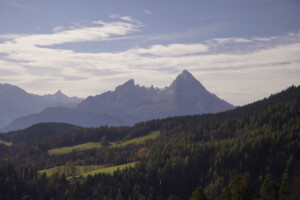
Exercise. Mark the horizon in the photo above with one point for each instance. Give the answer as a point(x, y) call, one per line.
point(240, 51)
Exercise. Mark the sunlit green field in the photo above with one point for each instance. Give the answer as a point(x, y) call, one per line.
point(85, 170)
point(63, 150)
point(110, 170)
point(70, 170)
point(91, 145)
point(137, 140)
point(6, 143)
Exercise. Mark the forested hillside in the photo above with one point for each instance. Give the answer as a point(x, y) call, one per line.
point(251, 152)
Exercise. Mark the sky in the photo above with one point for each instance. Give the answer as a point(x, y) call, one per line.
point(242, 51)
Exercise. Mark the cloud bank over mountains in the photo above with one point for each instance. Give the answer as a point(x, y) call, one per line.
point(233, 68)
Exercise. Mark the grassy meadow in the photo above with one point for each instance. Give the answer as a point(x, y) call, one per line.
point(5, 142)
point(109, 170)
point(92, 145)
point(63, 150)
point(85, 170)
point(137, 140)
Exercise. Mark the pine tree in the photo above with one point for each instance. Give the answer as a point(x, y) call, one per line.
point(269, 189)
point(198, 194)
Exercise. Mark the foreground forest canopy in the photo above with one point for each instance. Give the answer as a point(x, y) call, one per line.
point(251, 152)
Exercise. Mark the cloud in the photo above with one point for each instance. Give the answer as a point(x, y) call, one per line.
point(8, 68)
point(28, 57)
point(74, 78)
point(114, 16)
point(171, 50)
point(35, 61)
point(10, 36)
point(229, 40)
point(147, 12)
point(125, 18)
point(21, 6)
point(189, 33)
point(100, 32)
point(265, 39)
point(58, 28)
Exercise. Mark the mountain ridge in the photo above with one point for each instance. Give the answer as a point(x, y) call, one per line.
point(16, 102)
point(130, 103)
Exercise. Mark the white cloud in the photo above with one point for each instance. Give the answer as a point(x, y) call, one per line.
point(229, 40)
point(10, 36)
point(58, 28)
point(125, 18)
point(10, 69)
point(265, 39)
point(171, 50)
point(147, 12)
point(114, 16)
point(237, 77)
point(29, 43)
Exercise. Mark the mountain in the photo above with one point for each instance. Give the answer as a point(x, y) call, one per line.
point(185, 96)
point(16, 102)
point(124, 100)
point(64, 115)
point(130, 103)
point(62, 100)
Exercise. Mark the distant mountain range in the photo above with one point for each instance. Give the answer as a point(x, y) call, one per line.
point(16, 102)
point(131, 103)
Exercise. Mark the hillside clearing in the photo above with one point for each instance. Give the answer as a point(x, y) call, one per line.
point(85, 170)
point(5, 142)
point(70, 170)
point(137, 140)
point(63, 150)
point(92, 145)
point(109, 170)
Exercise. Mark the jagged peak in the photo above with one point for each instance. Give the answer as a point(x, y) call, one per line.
point(186, 81)
point(129, 82)
point(59, 92)
point(186, 75)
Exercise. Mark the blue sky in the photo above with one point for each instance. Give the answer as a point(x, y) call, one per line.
point(240, 50)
